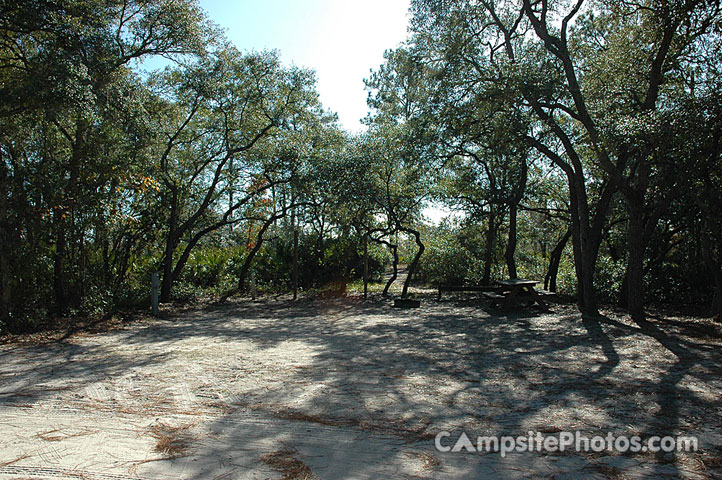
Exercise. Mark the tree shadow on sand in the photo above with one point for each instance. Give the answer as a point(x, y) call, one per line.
point(358, 387)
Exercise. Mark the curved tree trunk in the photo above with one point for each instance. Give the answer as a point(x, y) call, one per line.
point(395, 264)
point(249, 258)
point(550, 279)
point(415, 262)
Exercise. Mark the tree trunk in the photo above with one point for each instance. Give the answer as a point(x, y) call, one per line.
point(585, 247)
point(635, 264)
point(59, 277)
point(5, 288)
point(171, 242)
point(395, 266)
point(550, 280)
point(490, 238)
point(514, 201)
point(588, 305)
point(63, 217)
point(366, 264)
point(185, 255)
point(167, 283)
point(716, 307)
point(623, 295)
point(256, 247)
point(122, 258)
point(706, 253)
point(415, 262)
point(320, 246)
point(295, 261)
point(511, 243)
point(105, 250)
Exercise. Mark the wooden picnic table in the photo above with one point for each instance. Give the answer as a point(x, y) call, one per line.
point(516, 290)
point(464, 288)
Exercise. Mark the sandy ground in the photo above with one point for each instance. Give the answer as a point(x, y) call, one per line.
point(346, 388)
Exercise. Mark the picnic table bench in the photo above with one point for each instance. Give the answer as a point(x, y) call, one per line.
point(464, 288)
point(494, 296)
point(515, 291)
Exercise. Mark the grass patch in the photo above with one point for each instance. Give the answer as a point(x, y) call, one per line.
point(285, 462)
point(172, 442)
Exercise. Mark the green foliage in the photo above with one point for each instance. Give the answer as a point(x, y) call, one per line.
point(609, 125)
point(207, 266)
point(447, 262)
point(609, 277)
point(452, 257)
point(339, 258)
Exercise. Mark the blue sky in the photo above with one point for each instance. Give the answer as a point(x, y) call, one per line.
point(342, 40)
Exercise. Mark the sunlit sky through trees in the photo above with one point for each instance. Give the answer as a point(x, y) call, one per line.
point(341, 40)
